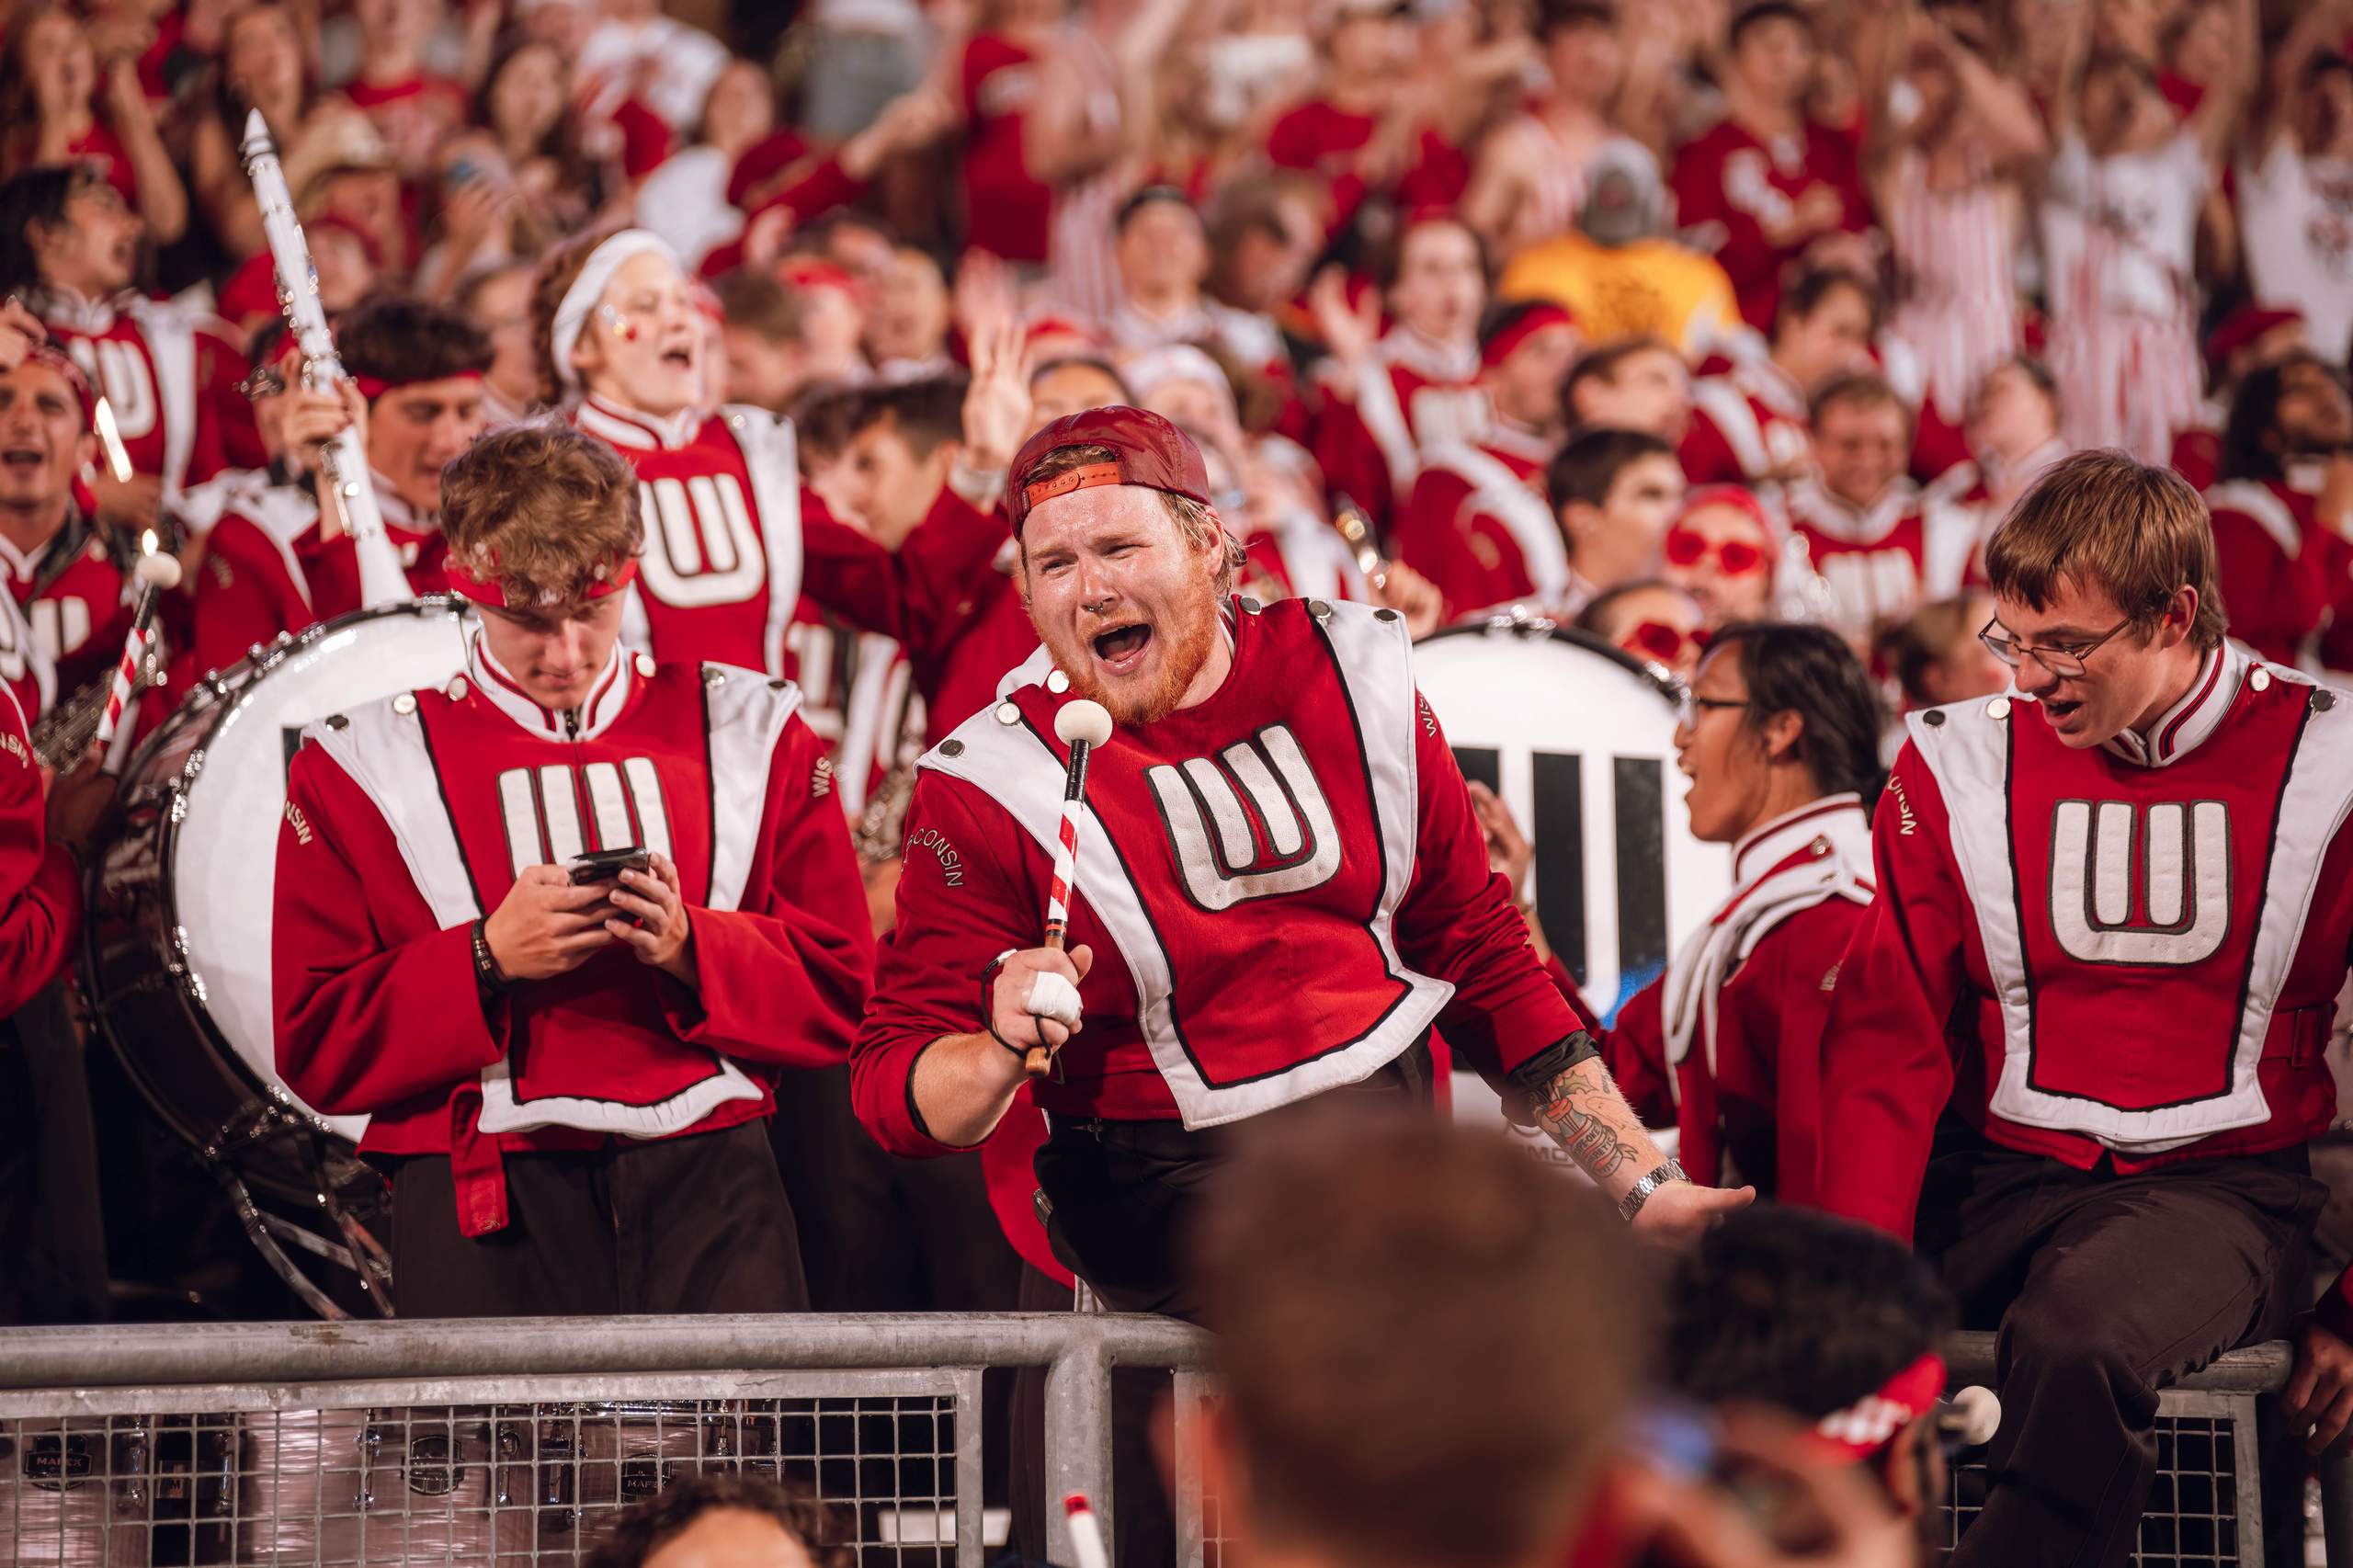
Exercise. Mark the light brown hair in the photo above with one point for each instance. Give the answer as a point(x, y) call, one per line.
point(1198, 524)
point(1857, 389)
point(559, 270)
point(2101, 519)
point(1429, 1339)
point(541, 510)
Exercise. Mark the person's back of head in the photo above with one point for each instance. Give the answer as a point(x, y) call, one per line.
point(1430, 1343)
point(719, 1520)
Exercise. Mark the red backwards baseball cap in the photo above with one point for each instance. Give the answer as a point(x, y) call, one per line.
point(1146, 450)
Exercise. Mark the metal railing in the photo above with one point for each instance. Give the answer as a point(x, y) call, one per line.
point(499, 1439)
point(504, 1440)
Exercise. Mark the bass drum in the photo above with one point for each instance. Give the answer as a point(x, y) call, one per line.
point(1579, 738)
point(177, 969)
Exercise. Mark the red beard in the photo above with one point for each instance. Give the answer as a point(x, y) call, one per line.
point(1185, 649)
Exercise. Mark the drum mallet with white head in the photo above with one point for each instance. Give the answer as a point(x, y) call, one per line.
point(154, 571)
point(1081, 726)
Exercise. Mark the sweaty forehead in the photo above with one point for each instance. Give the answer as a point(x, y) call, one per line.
point(1072, 518)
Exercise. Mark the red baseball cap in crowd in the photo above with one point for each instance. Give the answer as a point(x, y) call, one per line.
point(1146, 449)
point(2240, 328)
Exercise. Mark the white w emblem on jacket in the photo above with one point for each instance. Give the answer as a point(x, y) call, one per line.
point(543, 807)
point(1251, 823)
point(2184, 862)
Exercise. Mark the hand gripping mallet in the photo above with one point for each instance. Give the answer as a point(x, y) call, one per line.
point(154, 571)
point(1081, 726)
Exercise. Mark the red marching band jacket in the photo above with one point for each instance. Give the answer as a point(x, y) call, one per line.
point(407, 820)
point(1284, 888)
point(1726, 1044)
point(2129, 952)
point(41, 894)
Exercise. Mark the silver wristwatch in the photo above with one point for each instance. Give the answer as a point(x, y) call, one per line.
point(1640, 1193)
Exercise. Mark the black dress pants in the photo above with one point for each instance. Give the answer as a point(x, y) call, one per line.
point(2105, 1288)
point(695, 1223)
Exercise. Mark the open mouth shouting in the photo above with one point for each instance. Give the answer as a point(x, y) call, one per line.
point(22, 461)
point(1121, 650)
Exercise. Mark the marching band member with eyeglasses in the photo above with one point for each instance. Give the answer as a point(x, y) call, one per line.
point(2115, 905)
point(555, 927)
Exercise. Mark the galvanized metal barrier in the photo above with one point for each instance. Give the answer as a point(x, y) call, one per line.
point(503, 1440)
point(500, 1440)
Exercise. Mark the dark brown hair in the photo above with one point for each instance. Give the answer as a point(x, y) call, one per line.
point(398, 339)
point(1857, 389)
point(2102, 518)
point(541, 510)
point(1431, 1340)
point(644, 1527)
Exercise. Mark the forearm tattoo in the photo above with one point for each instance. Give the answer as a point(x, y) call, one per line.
point(1596, 1141)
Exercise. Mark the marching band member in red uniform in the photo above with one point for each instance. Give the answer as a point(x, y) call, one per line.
point(69, 249)
point(548, 1066)
point(1231, 959)
point(1879, 543)
point(2280, 564)
point(733, 536)
point(1750, 425)
point(66, 575)
point(1779, 737)
point(415, 391)
point(2114, 912)
point(1390, 397)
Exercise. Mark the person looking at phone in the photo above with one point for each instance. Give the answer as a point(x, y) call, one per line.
point(554, 925)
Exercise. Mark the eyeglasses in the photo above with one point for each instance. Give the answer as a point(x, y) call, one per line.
point(1662, 643)
point(261, 381)
point(1735, 557)
point(2064, 661)
point(1689, 705)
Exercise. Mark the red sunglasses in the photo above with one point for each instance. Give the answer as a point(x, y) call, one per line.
point(1662, 643)
point(1735, 557)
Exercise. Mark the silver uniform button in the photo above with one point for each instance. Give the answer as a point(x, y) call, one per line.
point(1384, 614)
point(404, 704)
point(2260, 679)
point(1319, 608)
point(646, 666)
point(951, 748)
point(456, 689)
point(1007, 713)
point(714, 678)
point(1251, 607)
point(1998, 709)
point(1057, 682)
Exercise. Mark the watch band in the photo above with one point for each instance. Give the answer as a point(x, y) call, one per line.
point(1640, 1193)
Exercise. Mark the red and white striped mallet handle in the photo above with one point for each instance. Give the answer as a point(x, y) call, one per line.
point(156, 572)
point(1081, 726)
point(1086, 1543)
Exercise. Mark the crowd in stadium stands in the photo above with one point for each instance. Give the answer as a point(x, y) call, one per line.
point(1655, 317)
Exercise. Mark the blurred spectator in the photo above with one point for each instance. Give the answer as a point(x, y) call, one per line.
point(716, 1518)
point(1652, 620)
point(904, 441)
point(1390, 396)
point(411, 107)
point(2120, 217)
point(1877, 540)
point(1833, 1322)
point(1722, 550)
point(343, 169)
point(51, 92)
point(687, 193)
point(2013, 433)
point(1779, 737)
point(908, 319)
point(2295, 180)
point(2249, 337)
point(1768, 181)
point(1007, 210)
point(2280, 549)
point(526, 104)
point(1347, 1237)
point(1934, 655)
point(1750, 425)
point(637, 53)
point(1162, 259)
point(1263, 234)
point(1947, 164)
point(768, 363)
point(1529, 178)
point(497, 299)
point(1373, 128)
point(1615, 492)
point(262, 66)
point(1620, 271)
point(1637, 383)
point(1476, 523)
point(862, 54)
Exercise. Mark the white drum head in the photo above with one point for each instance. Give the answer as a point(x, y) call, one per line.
point(1581, 746)
point(224, 849)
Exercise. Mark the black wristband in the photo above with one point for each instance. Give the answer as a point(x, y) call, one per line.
point(486, 972)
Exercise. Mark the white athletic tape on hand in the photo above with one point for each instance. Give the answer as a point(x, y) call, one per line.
point(1051, 996)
